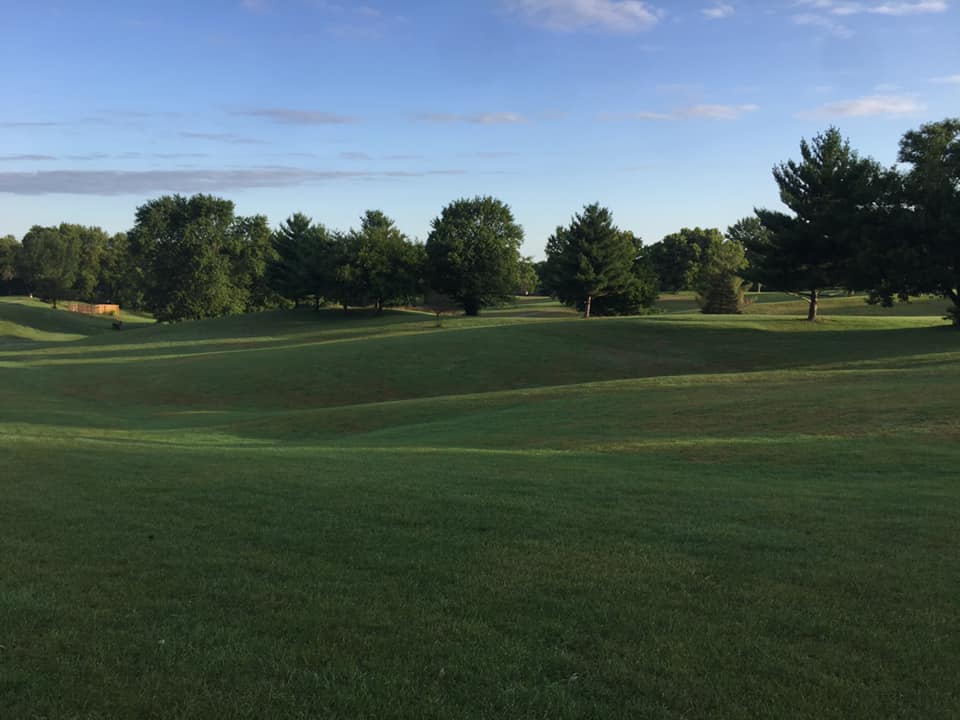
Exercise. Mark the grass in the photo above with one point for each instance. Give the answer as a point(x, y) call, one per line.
point(309, 515)
point(831, 304)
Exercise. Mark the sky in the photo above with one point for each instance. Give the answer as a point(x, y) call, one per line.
point(670, 114)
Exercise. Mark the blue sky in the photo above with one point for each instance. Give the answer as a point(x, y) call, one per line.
point(671, 114)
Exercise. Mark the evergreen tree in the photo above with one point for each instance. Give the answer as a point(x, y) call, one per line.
point(591, 259)
point(301, 264)
point(923, 251)
point(832, 192)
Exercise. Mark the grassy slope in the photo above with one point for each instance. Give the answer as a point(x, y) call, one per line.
point(290, 515)
point(775, 303)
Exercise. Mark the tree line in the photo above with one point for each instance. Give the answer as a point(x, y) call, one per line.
point(852, 224)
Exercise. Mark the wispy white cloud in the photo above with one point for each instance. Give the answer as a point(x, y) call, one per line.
point(823, 14)
point(867, 106)
point(946, 80)
point(691, 112)
point(229, 138)
point(480, 118)
point(823, 23)
point(288, 116)
point(121, 182)
point(718, 11)
point(840, 7)
point(25, 157)
point(569, 15)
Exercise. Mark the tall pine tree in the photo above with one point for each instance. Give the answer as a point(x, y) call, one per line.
point(590, 260)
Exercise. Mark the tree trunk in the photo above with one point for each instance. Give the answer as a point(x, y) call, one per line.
point(316, 303)
point(345, 310)
point(812, 314)
point(54, 303)
point(589, 303)
point(471, 306)
point(379, 306)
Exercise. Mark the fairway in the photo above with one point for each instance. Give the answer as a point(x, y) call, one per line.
point(298, 514)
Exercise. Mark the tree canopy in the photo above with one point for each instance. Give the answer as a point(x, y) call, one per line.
point(679, 257)
point(378, 264)
point(193, 255)
point(831, 191)
point(591, 260)
point(473, 252)
point(924, 255)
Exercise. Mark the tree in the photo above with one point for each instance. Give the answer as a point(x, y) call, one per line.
point(679, 257)
point(473, 252)
point(9, 250)
point(256, 252)
point(719, 285)
point(48, 262)
point(300, 265)
point(590, 259)
point(926, 254)
point(91, 244)
point(527, 278)
point(755, 239)
point(191, 250)
point(832, 192)
point(379, 263)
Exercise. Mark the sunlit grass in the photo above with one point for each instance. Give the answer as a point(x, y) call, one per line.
point(306, 514)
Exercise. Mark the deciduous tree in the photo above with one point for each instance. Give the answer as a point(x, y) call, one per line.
point(48, 262)
point(191, 252)
point(473, 252)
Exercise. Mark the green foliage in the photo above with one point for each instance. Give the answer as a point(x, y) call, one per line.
point(922, 254)
point(9, 250)
point(593, 261)
point(679, 257)
point(719, 285)
point(299, 266)
point(256, 253)
point(49, 261)
point(831, 192)
point(755, 239)
point(378, 264)
point(473, 252)
point(194, 257)
point(528, 280)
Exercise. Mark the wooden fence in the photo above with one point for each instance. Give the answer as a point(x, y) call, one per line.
point(88, 309)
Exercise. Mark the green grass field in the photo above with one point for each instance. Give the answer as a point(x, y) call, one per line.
point(522, 515)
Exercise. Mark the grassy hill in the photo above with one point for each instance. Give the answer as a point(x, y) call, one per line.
point(301, 514)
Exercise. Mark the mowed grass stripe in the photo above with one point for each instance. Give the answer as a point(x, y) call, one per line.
point(666, 517)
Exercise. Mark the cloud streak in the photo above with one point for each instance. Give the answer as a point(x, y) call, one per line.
point(26, 157)
point(867, 106)
point(291, 116)
point(621, 16)
point(121, 182)
point(692, 112)
point(718, 11)
point(480, 118)
point(895, 9)
point(229, 138)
